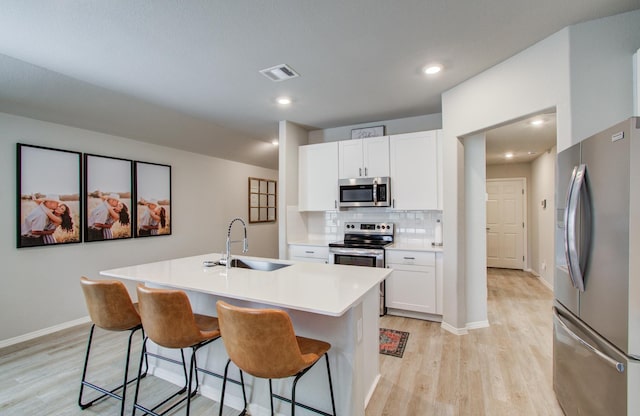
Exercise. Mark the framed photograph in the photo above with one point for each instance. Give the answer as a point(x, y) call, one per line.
point(49, 204)
point(108, 190)
point(153, 199)
point(262, 200)
point(365, 132)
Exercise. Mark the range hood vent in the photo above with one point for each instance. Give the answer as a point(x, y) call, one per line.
point(279, 73)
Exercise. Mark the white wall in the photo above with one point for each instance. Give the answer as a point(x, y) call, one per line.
point(396, 126)
point(291, 136)
point(541, 231)
point(583, 71)
point(476, 238)
point(540, 177)
point(601, 72)
point(40, 286)
point(506, 92)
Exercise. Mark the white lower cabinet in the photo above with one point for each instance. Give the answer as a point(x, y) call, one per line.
point(413, 285)
point(308, 253)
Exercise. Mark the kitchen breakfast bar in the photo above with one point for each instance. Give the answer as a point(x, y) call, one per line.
point(334, 303)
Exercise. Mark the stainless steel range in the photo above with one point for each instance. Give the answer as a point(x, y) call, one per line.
point(363, 245)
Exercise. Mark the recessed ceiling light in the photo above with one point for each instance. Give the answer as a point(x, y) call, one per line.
point(537, 122)
point(283, 100)
point(432, 69)
point(508, 155)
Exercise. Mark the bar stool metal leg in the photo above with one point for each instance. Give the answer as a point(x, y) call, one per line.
point(333, 402)
point(292, 400)
point(105, 392)
point(152, 411)
point(224, 386)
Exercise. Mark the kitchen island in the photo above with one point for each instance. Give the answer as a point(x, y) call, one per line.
point(334, 303)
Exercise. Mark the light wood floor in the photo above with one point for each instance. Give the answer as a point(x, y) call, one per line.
point(505, 369)
point(501, 370)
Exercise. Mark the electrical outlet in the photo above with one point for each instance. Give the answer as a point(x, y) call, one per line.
point(544, 266)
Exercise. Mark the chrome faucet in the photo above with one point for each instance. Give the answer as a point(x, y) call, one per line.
point(245, 244)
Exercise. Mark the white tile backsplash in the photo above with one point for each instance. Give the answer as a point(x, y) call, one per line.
point(411, 226)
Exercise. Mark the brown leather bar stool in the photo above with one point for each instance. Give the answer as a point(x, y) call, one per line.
point(168, 321)
point(262, 342)
point(110, 308)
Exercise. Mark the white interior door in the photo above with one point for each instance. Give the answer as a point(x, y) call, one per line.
point(505, 224)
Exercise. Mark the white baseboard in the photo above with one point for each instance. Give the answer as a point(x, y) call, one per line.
point(232, 401)
point(45, 331)
point(453, 329)
point(545, 283)
point(541, 279)
point(477, 324)
point(371, 391)
point(465, 330)
point(414, 315)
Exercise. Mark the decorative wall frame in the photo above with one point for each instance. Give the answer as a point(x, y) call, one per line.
point(108, 213)
point(48, 199)
point(365, 132)
point(152, 189)
point(263, 199)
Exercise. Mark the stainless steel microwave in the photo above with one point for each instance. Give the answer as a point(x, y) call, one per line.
point(365, 192)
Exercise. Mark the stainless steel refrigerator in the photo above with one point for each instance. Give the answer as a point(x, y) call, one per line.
point(596, 343)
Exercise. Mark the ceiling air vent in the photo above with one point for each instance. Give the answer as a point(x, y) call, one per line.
point(279, 73)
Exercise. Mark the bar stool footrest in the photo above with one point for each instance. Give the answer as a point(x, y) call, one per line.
point(304, 406)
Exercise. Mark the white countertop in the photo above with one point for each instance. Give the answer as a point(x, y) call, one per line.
point(415, 246)
point(327, 289)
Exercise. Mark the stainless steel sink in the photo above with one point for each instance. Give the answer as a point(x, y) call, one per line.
point(265, 266)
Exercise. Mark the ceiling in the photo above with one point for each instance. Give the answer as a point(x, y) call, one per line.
point(525, 139)
point(185, 73)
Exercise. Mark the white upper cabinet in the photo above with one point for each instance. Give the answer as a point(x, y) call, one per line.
point(414, 166)
point(318, 177)
point(360, 158)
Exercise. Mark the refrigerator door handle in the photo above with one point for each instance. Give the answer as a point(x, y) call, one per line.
point(616, 364)
point(570, 217)
point(577, 259)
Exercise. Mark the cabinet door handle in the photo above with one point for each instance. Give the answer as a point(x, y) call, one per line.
point(409, 258)
point(309, 252)
point(335, 203)
point(393, 203)
point(359, 171)
point(365, 171)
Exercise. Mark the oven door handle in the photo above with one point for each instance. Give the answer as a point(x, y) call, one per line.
point(356, 251)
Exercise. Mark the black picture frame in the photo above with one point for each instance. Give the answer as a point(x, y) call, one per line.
point(152, 190)
point(49, 205)
point(108, 198)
